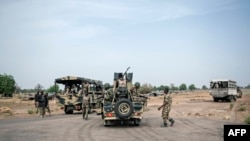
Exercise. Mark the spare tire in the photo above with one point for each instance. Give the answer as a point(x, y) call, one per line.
point(123, 108)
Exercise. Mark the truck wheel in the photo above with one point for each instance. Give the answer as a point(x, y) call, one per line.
point(137, 122)
point(235, 98)
point(106, 123)
point(123, 108)
point(66, 111)
point(230, 98)
point(216, 99)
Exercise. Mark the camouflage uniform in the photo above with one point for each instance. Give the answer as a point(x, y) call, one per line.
point(42, 104)
point(166, 109)
point(108, 97)
point(134, 94)
point(85, 106)
point(167, 103)
point(36, 101)
point(47, 103)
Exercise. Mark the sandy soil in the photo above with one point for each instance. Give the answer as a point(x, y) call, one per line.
point(198, 104)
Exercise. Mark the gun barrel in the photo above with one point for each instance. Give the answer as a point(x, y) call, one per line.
point(126, 71)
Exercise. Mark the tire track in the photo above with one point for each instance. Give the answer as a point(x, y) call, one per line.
point(67, 134)
point(150, 131)
point(199, 129)
point(87, 131)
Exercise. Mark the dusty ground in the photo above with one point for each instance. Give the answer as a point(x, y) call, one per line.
point(198, 104)
point(197, 118)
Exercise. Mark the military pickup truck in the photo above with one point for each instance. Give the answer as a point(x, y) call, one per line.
point(122, 107)
point(72, 96)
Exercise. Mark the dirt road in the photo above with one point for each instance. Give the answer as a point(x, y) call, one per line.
point(72, 127)
point(197, 118)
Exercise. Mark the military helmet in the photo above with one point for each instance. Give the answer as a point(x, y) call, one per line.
point(137, 84)
point(106, 86)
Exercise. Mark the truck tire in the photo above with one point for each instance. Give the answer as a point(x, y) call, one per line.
point(123, 108)
point(230, 98)
point(66, 111)
point(137, 122)
point(216, 99)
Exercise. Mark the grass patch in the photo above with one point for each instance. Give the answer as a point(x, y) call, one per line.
point(247, 120)
point(30, 111)
point(242, 108)
point(231, 106)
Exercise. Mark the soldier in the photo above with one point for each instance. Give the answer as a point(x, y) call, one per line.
point(47, 103)
point(42, 104)
point(137, 86)
point(85, 105)
point(141, 98)
point(167, 102)
point(121, 81)
point(36, 101)
point(108, 93)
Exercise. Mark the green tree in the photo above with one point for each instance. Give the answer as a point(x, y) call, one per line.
point(183, 87)
point(28, 90)
point(204, 87)
point(7, 85)
point(53, 88)
point(248, 86)
point(166, 87)
point(146, 88)
point(161, 88)
point(192, 87)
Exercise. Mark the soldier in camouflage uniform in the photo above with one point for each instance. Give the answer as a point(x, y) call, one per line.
point(85, 105)
point(108, 93)
point(37, 102)
point(167, 102)
point(42, 104)
point(141, 98)
point(86, 100)
point(47, 103)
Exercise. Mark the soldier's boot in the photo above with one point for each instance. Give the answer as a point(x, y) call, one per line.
point(164, 125)
point(172, 121)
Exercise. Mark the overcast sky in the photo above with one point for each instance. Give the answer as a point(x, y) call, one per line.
point(163, 41)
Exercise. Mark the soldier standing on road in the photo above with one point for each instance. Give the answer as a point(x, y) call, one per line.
point(47, 103)
point(37, 102)
point(167, 102)
point(42, 104)
point(85, 105)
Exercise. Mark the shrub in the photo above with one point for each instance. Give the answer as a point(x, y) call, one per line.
point(247, 120)
point(30, 111)
point(242, 108)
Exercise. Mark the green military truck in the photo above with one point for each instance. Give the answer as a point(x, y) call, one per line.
point(122, 107)
point(71, 98)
